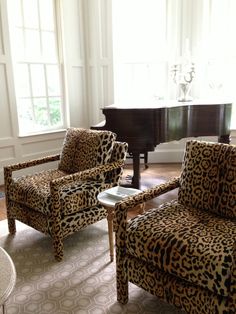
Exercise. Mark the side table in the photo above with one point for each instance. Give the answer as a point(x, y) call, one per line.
point(7, 277)
point(108, 199)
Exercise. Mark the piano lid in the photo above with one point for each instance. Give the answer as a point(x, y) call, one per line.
point(168, 104)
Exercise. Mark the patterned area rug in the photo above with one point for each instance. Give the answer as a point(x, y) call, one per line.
point(83, 283)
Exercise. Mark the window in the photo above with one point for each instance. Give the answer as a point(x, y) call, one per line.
point(150, 36)
point(36, 65)
point(140, 50)
point(220, 47)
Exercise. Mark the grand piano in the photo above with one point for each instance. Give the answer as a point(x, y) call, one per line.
point(143, 128)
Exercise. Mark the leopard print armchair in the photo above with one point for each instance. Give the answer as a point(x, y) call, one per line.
point(61, 201)
point(184, 251)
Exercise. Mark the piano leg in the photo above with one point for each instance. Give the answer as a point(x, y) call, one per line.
point(136, 170)
point(146, 160)
point(224, 139)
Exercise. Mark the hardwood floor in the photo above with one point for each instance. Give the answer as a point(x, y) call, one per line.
point(155, 174)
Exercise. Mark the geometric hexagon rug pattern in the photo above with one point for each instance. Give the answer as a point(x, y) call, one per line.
point(83, 283)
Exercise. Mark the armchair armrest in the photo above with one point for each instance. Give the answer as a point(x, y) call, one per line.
point(57, 184)
point(147, 195)
point(86, 174)
point(31, 163)
point(26, 164)
point(131, 201)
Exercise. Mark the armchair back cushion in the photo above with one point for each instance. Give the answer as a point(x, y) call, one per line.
point(84, 149)
point(119, 152)
point(208, 175)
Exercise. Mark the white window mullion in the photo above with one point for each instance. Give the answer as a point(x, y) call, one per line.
point(46, 90)
point(31, 92)
point(40, 29)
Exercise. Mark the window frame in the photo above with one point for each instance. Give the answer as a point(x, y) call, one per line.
point(59, 62)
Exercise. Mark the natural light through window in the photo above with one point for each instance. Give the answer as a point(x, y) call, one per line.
point(36, 65)
point(140, 50)
point(150, 36)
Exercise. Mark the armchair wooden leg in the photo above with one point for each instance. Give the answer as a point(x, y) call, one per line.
point(11, 225)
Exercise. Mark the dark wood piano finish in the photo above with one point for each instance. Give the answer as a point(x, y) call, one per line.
point(143, 128)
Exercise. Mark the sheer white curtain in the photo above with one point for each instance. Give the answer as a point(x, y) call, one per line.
point(149, 36)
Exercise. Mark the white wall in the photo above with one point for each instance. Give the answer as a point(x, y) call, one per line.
point(75, 61)
point(88, 71)
point(89, 82)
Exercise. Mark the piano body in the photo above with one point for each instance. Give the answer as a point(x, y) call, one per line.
point(143, 128)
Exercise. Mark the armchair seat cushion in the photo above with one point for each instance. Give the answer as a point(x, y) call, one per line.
point(194, 245)
point(33, 191)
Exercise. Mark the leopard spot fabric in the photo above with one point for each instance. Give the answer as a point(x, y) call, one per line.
point(184, 251)
point(60, 202)
point(34, 190)
point(75, 197)
point(84, 149)
point(184, 243)
point(208, 178)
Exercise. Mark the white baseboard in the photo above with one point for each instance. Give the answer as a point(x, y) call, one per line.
point(166, 156)
point(233, 137)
